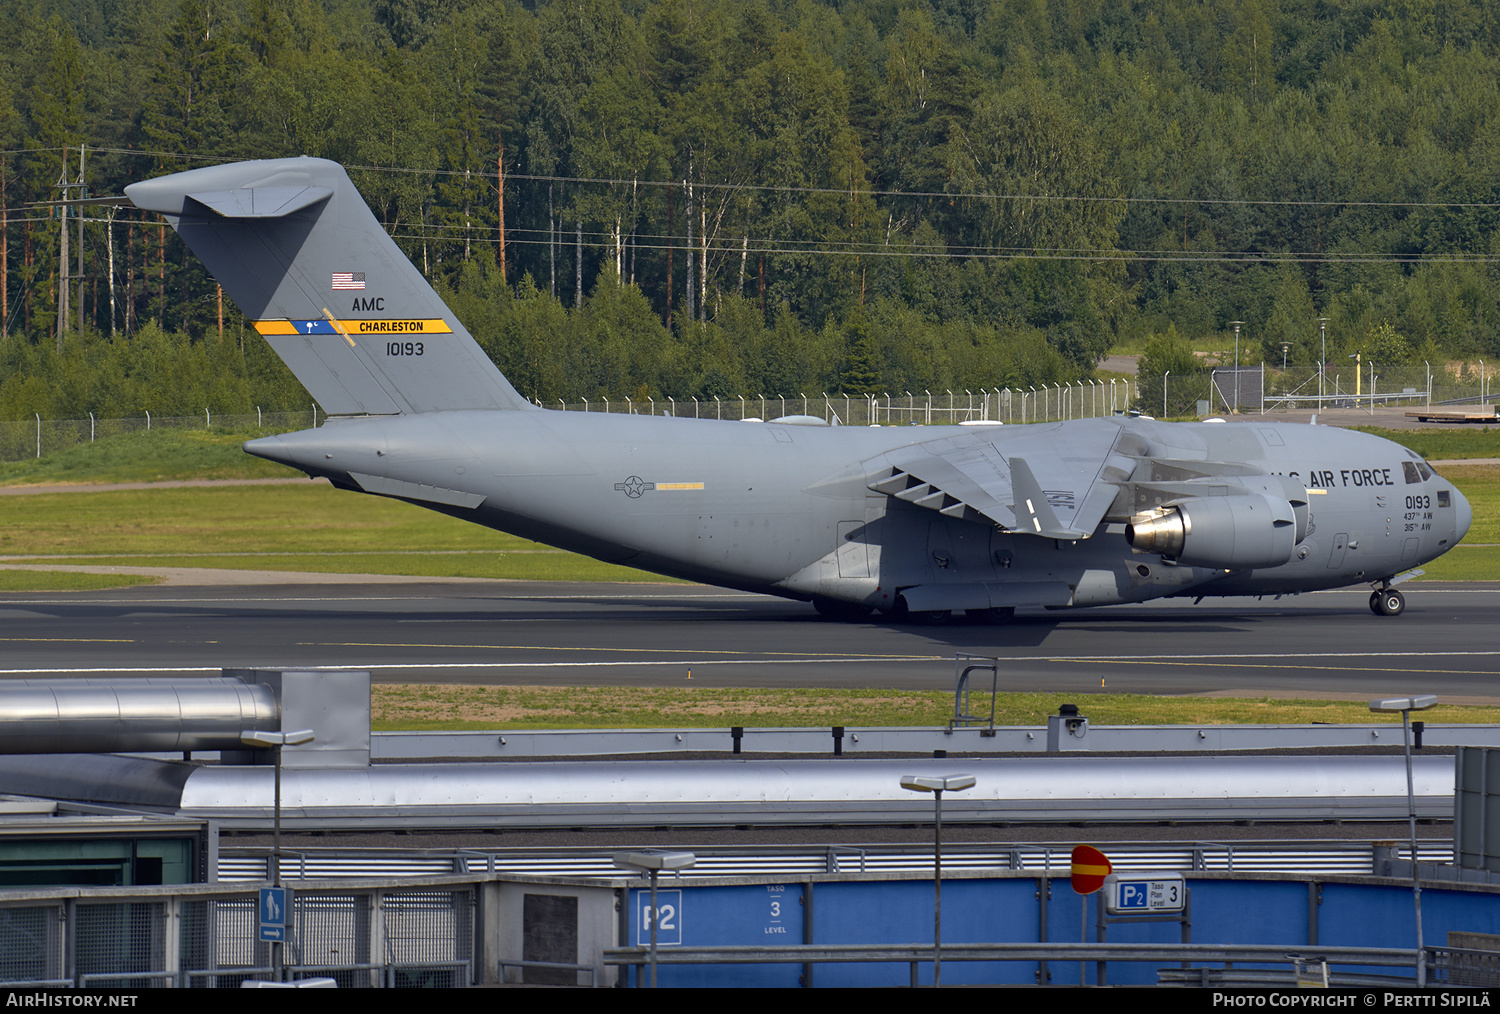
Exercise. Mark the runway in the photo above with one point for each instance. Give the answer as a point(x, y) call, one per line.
point(1325, 644)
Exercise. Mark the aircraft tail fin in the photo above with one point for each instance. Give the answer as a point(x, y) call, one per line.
point(295, 246)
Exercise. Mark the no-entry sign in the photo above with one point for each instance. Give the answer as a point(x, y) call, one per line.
point(1090, 867)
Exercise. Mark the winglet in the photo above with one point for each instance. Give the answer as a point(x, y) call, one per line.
point(1033, 513)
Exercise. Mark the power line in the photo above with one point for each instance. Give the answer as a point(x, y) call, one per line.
point(732, 249)
point(781, 246)
point(490, 174)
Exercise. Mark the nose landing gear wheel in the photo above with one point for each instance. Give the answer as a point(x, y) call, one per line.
point(1387, 603)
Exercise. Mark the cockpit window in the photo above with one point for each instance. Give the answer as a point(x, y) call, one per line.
point(1416, 471)
point(1443, 499)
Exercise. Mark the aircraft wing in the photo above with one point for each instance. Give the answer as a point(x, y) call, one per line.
point(1035, 480)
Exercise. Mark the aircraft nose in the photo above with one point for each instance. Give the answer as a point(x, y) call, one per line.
point(1463, 516)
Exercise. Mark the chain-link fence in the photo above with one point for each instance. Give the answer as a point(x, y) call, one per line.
point(1048, 403)
point(1200, 394)
point(39, 437)
point(1265, 389)
point(361, 938)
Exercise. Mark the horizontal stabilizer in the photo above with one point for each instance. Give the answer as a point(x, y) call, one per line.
point(262, 202)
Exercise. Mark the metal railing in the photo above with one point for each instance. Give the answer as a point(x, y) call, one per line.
point(916, 955)
point(1459, 966)
point(238, 864)
point(206, 936)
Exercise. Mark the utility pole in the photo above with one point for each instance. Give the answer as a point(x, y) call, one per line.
point(500, 195)
point(64, 289)
point(5, 250)
point(109, 235)
point(83, 192)
point(687, 187)
point(62, 257)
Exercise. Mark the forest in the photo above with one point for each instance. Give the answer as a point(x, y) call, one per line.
point(691, 198)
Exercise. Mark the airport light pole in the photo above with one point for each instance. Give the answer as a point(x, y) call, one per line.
point(1406, 705)
point(275, 741)
point(1323, 361)
point(652, 862)
point(937, 785)
point(1236, 324)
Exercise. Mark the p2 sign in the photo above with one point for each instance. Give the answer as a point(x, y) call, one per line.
point(1149, 894)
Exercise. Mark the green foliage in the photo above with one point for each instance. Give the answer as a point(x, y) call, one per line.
point(1168, 369)
point(840, 196)
point(154, 456)
point(164, 372)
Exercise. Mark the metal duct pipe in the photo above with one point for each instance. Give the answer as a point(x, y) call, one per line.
point(113, 716)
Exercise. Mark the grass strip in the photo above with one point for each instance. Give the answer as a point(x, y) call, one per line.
point(52, 580)
point(466, 707)
point(1464, 563)
point(1437, 444)
point(523, 565)
point(311, 528)
point(155, 456)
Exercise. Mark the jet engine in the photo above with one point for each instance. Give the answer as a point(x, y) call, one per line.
point(1222, 532)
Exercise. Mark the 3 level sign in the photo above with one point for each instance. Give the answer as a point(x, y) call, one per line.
point(1148, 894)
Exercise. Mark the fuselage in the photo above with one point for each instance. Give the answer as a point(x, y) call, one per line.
point(920, 520)
point(789, 509)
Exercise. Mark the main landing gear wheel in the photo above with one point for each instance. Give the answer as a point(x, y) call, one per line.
point(900, 612)
point(1387, 603)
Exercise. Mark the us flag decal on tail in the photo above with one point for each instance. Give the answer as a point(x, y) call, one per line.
point(344, 280)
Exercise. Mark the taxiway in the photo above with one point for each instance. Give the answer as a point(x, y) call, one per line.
point(1325, 644)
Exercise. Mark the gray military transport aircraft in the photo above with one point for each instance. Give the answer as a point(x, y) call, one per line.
point(918, 522)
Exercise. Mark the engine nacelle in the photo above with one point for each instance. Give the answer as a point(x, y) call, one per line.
point(1222, 532)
